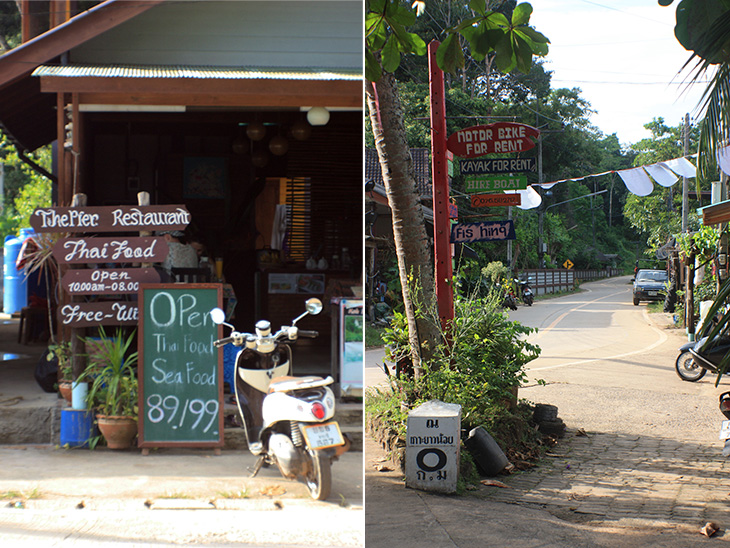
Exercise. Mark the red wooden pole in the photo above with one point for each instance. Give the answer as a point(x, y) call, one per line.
point(440, 175)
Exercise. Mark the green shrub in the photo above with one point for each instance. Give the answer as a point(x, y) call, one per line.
point(480, 370)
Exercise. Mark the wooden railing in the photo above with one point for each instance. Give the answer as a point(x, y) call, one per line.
point(553, 280)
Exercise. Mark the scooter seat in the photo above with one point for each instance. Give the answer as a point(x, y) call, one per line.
point(285, 384)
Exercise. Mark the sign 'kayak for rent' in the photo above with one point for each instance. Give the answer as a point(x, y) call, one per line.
point(497, 165)
point(485, 231)
point(499, 137)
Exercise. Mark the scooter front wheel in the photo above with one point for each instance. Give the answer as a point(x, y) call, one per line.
point(687, 368)
point(319, 479)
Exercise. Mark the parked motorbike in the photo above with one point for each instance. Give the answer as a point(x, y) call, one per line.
point(692, 362)
point(287, 420)
point(526, 291)
point(510, 299)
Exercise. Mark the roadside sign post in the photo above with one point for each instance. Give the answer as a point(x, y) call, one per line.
point(441, 222)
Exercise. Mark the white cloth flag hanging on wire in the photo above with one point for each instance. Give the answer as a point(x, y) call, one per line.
point(637, 181)
point(723, 159)
point(681, 166)
point(530, 197)
point(662, 174)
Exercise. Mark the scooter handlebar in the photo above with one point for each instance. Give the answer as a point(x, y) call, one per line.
point(308, 334)
point(222, 342)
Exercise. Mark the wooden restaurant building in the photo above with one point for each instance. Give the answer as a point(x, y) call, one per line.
point(247, 112)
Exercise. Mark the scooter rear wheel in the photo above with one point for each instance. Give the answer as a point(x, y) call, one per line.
point(687, 369)
point(319, 479)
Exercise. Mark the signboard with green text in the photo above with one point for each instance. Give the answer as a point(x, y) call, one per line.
point(492, 183)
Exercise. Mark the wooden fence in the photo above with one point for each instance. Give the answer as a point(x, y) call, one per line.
point(556, 280)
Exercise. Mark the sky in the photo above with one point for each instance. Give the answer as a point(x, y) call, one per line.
point(624, 57)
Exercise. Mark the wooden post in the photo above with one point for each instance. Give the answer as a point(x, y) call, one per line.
point(440, 176)
point(689, 312)
point(78, 348)
point(143, 199)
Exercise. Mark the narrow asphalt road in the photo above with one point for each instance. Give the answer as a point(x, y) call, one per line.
point(609, 366)
point(640, 463)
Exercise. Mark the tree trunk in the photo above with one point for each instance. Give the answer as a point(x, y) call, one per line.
point(409, 231)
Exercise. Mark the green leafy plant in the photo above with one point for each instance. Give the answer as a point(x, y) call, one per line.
point(513, 41)
point(111, 372)
point(61, 351)
point(480, 370)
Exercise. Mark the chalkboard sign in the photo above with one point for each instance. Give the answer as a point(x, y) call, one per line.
point(180, 371)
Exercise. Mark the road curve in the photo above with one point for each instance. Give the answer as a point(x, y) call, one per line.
point(609, 366)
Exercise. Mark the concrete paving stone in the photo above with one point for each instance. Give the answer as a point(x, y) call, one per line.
point(687, 512)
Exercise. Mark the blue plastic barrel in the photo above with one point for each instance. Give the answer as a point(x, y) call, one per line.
point(35, 283)
point(77, 426)
point(15, 287)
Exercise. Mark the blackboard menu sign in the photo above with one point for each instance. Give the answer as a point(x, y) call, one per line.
point(180, 371)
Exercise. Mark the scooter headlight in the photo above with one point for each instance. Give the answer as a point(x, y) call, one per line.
point(318, 410)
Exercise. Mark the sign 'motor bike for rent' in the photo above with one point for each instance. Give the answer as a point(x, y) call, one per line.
point(499, 137)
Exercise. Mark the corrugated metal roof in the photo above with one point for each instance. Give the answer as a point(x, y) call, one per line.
point(196, 72)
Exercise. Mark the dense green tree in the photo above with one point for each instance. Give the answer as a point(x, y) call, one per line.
point(24, 189)
point(9, 25)
point(513, 42)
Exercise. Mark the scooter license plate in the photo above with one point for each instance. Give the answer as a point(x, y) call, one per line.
point(322, 436)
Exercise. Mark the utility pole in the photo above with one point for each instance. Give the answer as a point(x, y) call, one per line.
point(685, 197)
point(541, 207)
point(509, 242)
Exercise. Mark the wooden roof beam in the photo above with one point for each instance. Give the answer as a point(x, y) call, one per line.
point(22, 60)
point(209, 92)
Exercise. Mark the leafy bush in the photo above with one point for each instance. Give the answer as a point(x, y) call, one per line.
point(480, 370)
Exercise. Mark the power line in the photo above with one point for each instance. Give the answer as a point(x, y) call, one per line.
point(625, 12)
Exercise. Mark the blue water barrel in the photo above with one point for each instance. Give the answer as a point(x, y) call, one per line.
point(77, 426)
point(15, 287)
point(35, 283)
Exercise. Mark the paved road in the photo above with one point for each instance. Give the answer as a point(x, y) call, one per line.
point(609, 366)
point(647, 472)
point(97, 498)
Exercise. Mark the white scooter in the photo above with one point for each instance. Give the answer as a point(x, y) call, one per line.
point(287, 420)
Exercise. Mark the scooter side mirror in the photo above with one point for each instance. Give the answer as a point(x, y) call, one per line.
point(313, 306)
point(218, 316)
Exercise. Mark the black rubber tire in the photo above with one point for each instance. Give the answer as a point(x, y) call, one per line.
point(687, 369)
point(636, 301)
point(319, 481)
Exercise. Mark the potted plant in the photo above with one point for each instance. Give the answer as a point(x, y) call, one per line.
point(113, 387)
point(61, 352)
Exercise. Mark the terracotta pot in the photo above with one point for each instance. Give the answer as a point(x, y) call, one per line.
point(119, 432)
point(65, 389)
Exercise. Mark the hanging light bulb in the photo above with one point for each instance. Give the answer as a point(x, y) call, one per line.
point(318, 116)
point(301, 131)
point(256, 131)
point(278, 145)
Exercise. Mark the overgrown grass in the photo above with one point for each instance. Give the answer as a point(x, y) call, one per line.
point(387, 407)
point(238, 494)
point(373, 336)
point(32, 494)
point(176, 495)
